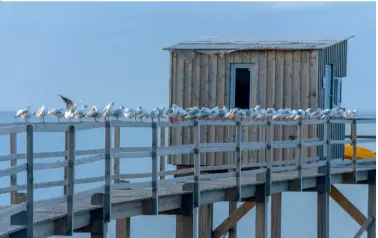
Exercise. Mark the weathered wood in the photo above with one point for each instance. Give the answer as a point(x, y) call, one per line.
point(108, 146)
point(233, 230)
point(371, 230)
point(261, 230)
point(163, 143)
point(13, 152)
point(229, 224)
point(71, 178)
point(65, 187)
point(287, 97)
point(155, 170)
point(276, 209)
point(221, 82)
point(197, 173)
point(364, 227)
point(347, 206)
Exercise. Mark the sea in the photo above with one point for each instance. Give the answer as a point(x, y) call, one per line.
point(299, 210)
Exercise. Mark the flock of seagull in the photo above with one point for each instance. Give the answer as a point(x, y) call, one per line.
point(176, 113)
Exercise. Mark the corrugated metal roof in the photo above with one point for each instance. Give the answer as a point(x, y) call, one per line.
point(218, 43)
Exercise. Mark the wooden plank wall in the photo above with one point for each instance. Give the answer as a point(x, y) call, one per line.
point(336, 56)
point(281, 79)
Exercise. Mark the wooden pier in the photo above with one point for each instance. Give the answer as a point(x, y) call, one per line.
point(120, 198)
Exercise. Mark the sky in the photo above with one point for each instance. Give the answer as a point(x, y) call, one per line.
point(98, 51)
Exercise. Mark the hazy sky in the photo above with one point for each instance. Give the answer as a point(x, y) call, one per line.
point(99, 52)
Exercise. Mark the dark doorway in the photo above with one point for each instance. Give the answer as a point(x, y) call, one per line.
point(242, 88)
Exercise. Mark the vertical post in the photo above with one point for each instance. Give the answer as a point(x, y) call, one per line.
point(300, 155)
point(65, 188)
point(163, 143)
point(71, 179)
point(353, 131)
point(238, 161)
point(263, 190)
point(324, 187)
point(30, 180)
point(155, 170)
point(122, 225)
point(107, 205)
point(13, 162)
point(197, 174)
point(371, 206)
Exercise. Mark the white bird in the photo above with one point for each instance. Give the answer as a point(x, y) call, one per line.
point(213, 113)
point(94, 113)
point(129, 113)
point(57, 113)
point(141, 113)
point(80, 114)
point(117, 113)
point(42, 112)
point(153, 114)
point(21, 112)
point(108, 110)
point(70, 107)
point(192, 113)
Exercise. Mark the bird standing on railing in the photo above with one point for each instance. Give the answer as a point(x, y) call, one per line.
point(80, 114)
point(57, 113)
point(107, 111)
point(94, 113)
point(24, 113)
point(70, 107)
point(118, 112)
point(41, 113)
point(129, 113)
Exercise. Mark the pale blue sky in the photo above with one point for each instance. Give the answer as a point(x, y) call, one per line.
point(99, 52)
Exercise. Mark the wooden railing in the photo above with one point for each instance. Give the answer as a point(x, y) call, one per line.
point(154, 152)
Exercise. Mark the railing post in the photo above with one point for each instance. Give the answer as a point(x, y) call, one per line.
point(13, 177)
point(269, 162)
point(353, 132)
point(238, 161)
point(117, 145)
point(30, 180)
point(71, 179)
point(300, 155)
point(107, 201)
point(197, 174)
point(155, 170)
point(163, 143)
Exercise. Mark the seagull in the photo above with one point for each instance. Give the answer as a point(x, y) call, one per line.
point(108, 110)
point(129, 113)
point(23, 111)
point(117, 113)
point(42, 112)
point(70, 107)
point(58, 113)
point(153, 114)
point(141, 113)
point(80, 114)
point(193, 113)
point(94, 113)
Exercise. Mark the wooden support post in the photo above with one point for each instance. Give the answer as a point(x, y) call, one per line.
point(197, 174)
point(163, 143)
point(13, 162)
point(371, 230)
point(71, 179)
point(98, 225)
point(107, 200)
point(233, 218)
point(155, 170)
point(122, 225)
point(65, 188)
point(353, 131)
point(324, 187)
point(26, 218)
point(276, 215)
point(233, 230)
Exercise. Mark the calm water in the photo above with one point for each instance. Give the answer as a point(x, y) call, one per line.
point(298, 211)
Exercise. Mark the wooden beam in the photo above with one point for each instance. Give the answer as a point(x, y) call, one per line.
point(348, 207)
point(371, 209)
point(233, 218)
point(323, 215)
point(276, 215)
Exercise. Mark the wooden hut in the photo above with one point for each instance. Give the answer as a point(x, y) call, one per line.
point(245, 73)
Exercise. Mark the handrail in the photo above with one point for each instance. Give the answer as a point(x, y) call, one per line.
point(80, 157)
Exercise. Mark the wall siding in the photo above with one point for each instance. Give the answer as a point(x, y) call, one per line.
point(280, 78)
point(336, 56)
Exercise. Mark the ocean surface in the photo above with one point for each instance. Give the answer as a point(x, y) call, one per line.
point(299, 217)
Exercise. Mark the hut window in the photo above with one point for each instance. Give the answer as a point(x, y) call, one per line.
point(241, 85)
point(337, 92)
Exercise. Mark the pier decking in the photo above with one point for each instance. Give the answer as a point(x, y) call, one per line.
point(91, 210)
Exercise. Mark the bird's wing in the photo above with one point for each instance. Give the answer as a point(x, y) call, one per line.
point(67, 101)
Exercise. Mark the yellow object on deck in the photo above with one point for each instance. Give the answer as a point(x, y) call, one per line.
point(362, 152)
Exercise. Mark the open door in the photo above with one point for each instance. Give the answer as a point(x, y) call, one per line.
point(241, 84)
